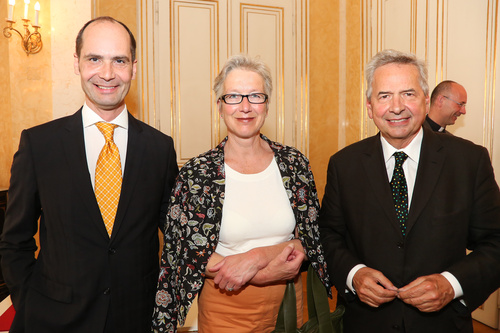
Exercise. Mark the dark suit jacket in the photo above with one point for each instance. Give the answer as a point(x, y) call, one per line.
point(455, 205)
point(433, 125)
point(80, 273)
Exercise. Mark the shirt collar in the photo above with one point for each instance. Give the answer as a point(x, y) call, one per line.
point(90, 118)
point(412, 150)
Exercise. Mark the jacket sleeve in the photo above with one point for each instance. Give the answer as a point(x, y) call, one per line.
point(17, 245)
point(312, 244)
point(171, 175)
point(479, 272)
point(334, 233)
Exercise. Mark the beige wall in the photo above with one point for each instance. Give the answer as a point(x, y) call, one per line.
point(5, 110)
point(335, 81)
point(26, 88)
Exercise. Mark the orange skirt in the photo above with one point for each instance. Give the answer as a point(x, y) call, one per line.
point(251, 309)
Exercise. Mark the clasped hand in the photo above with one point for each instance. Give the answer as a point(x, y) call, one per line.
point(427, 293)
point(254, 267)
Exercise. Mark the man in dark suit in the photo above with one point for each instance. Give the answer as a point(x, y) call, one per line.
point(398, 259)
point(448, 101)
point(88, 277)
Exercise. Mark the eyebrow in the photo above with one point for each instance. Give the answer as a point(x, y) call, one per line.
point(408, 90)
point(391, 93)
point(123, 57)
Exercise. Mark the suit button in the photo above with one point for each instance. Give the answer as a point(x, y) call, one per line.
point(400, 245)
point(107, 291)
point(111, 251)
point(396, 327)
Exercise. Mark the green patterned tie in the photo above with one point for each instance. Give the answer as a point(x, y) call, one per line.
point(400, 191)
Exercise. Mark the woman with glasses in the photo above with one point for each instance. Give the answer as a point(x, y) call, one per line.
point(242, 219)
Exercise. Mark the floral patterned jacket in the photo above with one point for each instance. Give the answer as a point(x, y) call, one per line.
point(193, 222)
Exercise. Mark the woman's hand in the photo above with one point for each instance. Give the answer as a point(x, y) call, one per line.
point(234, 271)
point(259, 266)
point(284, 267)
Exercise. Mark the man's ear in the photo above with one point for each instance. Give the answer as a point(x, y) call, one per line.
point(441, 99)
point(76, 64)
point(134, 68)
point(369, 109)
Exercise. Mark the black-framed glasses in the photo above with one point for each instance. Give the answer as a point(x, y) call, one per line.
point(462, 105)
point(256, 98)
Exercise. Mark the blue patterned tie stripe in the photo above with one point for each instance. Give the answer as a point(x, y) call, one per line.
point(400, 191)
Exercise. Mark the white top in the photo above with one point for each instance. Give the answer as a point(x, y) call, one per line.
point(256, 211)
point(94, 140)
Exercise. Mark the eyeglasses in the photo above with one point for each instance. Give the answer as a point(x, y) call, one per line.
point(237, 98)
point(462, 105)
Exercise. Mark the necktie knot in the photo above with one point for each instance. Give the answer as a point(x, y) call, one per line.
point(400, 158)
point(107, 130)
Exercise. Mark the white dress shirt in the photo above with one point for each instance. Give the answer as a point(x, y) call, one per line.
point(94, 140)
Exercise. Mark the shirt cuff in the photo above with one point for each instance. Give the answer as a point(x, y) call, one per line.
point(350, 276)
point(457, 288)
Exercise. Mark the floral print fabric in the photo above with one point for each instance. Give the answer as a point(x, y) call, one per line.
point(193, 224)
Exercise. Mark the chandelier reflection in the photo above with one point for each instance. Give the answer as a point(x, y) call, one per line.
point(30, 41)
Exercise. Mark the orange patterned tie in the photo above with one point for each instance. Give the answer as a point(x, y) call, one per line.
point(108, 176)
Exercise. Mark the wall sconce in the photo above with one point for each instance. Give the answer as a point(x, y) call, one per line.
point(30, 41)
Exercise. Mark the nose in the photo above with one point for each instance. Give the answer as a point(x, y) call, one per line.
point(397, 104)
point(107, 72)
point(245, 104)
point(463, 110)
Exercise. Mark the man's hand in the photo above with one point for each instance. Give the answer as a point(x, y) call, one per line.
point(428, 293)
point(373, 288)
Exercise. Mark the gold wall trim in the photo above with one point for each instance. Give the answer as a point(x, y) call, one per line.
point(302, 126)
point(490, 75)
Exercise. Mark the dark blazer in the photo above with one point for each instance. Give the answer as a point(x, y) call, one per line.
point(455, 205)
point(433, 125)
point(81, 276)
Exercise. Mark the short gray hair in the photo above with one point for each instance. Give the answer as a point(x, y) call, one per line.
point(248, 63)
point(395, 57)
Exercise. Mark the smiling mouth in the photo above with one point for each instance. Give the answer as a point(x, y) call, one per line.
point(397, 120)
point(105, 87)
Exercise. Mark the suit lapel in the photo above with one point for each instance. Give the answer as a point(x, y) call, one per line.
point(430, 166)
point(74, 148)
point(376, 173)
point(135, 151)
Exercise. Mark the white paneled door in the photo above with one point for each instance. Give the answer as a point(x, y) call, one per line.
point(192, 39)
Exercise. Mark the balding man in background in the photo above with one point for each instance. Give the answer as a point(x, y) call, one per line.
point(448, 102)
